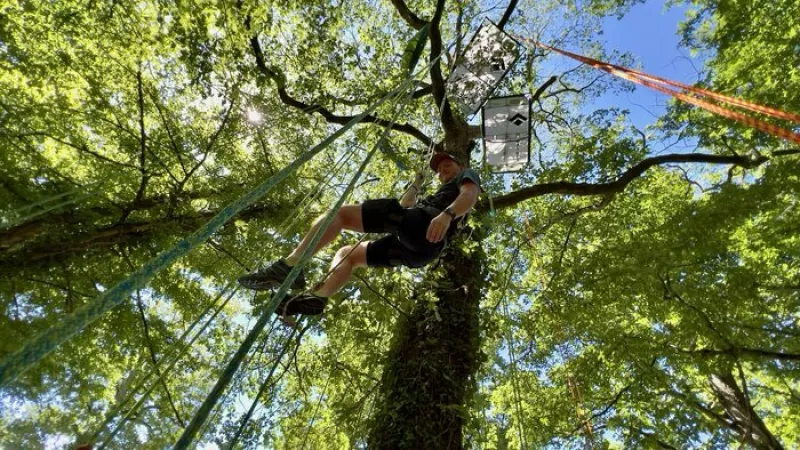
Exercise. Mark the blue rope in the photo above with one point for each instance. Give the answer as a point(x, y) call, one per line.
point(146, 394)
point(202, 413)
point(246, 418)
point(40, 346)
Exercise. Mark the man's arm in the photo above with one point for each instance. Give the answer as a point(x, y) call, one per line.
point(466, 199)
point(409, 198)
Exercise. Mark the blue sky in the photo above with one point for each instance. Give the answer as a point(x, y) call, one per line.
point(649, 32)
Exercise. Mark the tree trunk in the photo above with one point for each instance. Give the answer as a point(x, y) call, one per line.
point(428, 379)
point(741, 414)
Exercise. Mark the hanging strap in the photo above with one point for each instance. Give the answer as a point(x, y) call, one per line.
point(660, 84)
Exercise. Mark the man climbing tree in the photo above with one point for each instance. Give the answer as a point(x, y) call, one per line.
point(616, 282)
point(417, 233)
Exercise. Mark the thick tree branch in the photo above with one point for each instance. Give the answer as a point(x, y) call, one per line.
point(507, 15)
point(543, 87)
point(613, 187)
point(427, 89)
point(740, 413)
point(437, 80)
point(327, 114)
point(130, 232)
point(413, 20)
point(744, 352)
point(44, 224)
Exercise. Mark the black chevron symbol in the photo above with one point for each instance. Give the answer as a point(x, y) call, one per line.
point(518, 119)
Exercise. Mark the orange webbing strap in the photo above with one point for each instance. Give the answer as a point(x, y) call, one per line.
point(652, 82)
point(772, 112)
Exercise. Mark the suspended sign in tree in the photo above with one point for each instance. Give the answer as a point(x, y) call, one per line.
point(489, 56)
point(506, 132)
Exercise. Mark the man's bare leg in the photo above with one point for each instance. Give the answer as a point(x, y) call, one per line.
point(347, 218)
point(347, 259)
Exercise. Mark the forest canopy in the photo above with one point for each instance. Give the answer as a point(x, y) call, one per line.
point(632, 287)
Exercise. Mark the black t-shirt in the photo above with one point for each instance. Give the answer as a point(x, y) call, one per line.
point(448, 192)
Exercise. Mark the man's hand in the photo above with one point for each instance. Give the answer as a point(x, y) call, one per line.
point(438, 227)
point(420, 179)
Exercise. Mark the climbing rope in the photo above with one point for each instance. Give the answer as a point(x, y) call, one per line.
point(264, 384)
point(47, 205)
point(202, 413)
point(146, 394)
point(660, 84)
point(40, 346)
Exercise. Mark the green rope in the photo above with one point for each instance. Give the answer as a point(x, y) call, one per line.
point(246, 418)
point(149, 390)
point(7, 221)
point(140, 383)
point(202, 413)
point(40, 346)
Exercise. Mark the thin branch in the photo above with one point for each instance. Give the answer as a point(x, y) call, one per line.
point(142, 150)
point(381, 296)
point(164, 120)
point(61, 287)
point(81, 148)
point(607, 408)
point(669, 292)
point(218, 247)
point(211, 142)
point(708, 412)
point(153, 358)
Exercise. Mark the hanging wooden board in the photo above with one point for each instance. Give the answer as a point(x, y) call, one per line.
point(506, 129)
point(489, 56)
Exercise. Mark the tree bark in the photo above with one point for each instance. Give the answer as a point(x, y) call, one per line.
point(61, 247)
point(427, 382)
point(740, 412)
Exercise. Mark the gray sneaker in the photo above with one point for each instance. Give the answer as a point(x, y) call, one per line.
point(272, 276)
point(307, 304)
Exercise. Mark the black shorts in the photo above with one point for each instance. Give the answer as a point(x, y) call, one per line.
point(407, 244)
